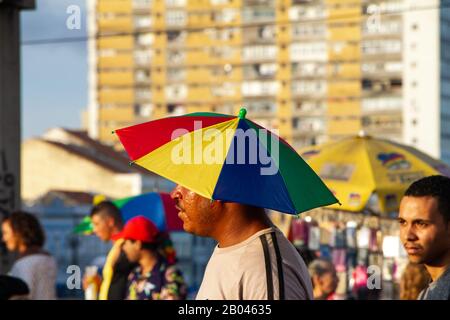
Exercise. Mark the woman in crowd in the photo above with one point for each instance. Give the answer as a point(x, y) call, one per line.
point(23, 234)
point(155, 277)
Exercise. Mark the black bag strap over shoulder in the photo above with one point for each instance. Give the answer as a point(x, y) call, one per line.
point(279, 265)
point(268, 263)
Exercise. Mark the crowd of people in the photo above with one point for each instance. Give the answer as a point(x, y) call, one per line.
point(252, 260)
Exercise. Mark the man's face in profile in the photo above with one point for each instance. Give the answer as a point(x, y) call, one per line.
point(423, 230)
point(103, 226)
point(195, 211)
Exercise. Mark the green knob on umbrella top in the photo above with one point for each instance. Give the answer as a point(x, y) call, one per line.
point(242, 113)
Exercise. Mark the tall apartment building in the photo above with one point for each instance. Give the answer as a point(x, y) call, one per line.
point(313, 69)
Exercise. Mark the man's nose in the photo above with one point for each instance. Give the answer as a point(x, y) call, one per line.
point(410, 234)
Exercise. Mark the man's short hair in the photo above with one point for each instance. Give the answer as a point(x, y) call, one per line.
point(433, 186)
point(109, 209)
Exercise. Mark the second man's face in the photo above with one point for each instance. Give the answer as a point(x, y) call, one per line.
point(423, 231)
point(103, 227)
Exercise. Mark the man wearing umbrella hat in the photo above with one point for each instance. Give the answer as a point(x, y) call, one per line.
point(238, 169)
point(253, 259)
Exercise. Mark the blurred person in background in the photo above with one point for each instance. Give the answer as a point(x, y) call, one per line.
point(107, 222)
point(22, 233)
point(155, 278)
point(307, 255)
point(324, 279)
point(415, 278)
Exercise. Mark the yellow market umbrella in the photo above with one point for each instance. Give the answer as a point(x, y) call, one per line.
point(368, 173)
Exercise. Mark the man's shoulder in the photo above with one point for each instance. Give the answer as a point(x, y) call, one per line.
point(439, 289)
point(273, 237)
point(31, 261)
point(442, 287)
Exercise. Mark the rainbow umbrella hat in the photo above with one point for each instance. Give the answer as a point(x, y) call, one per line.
point(228, 158)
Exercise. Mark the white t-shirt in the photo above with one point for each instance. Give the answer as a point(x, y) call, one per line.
point(39, 273)
point(239, 272)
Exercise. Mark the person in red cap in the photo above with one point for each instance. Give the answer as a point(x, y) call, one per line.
point(154, 278)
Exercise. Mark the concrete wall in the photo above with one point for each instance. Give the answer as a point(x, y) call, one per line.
point(46, 167)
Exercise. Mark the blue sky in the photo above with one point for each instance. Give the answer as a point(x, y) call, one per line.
point(54, 76)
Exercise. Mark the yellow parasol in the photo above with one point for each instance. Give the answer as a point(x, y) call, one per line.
point(368, 173)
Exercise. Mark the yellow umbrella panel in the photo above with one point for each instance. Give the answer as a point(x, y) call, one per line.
point(365, 172)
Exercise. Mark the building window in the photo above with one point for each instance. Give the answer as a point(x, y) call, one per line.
point(175, 57)
point(142, 76)
point(176, 18)
point(260, 52)
point(145, 39)
point(143, 110)
point(174, 37)
point(142, 22)
point(381, 46)
point(219, 2)
point(175, 3)
point(259, 88)
point(315, 51)
point(307, 12)
point(143, 94)
point(267, 32)
point(176, 91)
point(258, 14)
point(308, 69)
point(226, 89)
point(224, 16)
point(176, 74)
point(142, 57)
point(142, 4)
point(310, 87)
point(308, 30)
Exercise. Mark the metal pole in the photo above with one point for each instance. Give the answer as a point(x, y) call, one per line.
point(10, 108)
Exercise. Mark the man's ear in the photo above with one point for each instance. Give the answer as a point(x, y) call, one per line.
point(139, 244)
point(110, 222)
